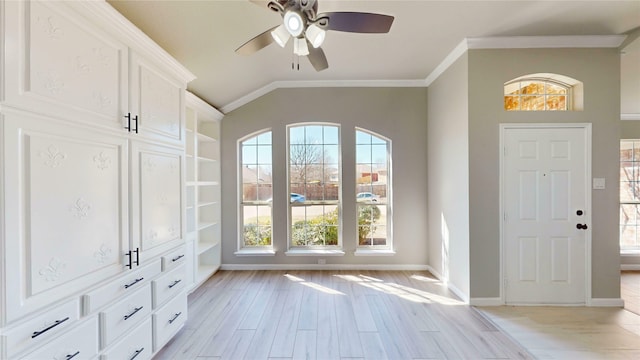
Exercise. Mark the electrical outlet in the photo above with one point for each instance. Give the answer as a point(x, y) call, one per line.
point(322, 261)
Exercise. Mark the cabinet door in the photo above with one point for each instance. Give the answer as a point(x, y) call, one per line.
point(60, 63)
point(157, 99)
point(157, 198)
point(66, 209)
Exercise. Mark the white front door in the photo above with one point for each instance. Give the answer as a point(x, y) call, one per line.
point(546, 223)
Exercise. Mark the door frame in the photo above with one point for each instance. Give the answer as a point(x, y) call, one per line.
point(588, 193)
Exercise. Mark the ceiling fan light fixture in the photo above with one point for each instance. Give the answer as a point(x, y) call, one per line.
point(300, 47)
point(280, 35)
point(293, 23)
point(315, 35)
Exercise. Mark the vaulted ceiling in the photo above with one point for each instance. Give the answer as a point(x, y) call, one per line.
point(202, 35)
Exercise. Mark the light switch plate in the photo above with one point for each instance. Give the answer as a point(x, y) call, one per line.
point(598, 183)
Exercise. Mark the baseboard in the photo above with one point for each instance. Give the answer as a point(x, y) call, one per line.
point(607, 302)
point(383, 267)
point(486, 302)
point(450, 286)
point(628, 267)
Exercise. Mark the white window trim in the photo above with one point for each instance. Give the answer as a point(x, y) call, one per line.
point(633, 251)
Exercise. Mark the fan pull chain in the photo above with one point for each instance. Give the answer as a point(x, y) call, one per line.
point(295, 62)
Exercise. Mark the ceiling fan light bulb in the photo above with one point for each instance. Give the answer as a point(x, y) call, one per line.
point(280, 35)
point(293, 23)
point(315, 35)
point(300, 47)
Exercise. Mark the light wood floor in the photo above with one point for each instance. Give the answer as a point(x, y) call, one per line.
point(334, 315)
point(630, 290)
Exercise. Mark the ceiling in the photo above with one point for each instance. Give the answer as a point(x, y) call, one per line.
point(202, 35)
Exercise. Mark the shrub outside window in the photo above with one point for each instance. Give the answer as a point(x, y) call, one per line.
point(536, 95)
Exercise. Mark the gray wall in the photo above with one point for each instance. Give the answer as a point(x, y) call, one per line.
point(397, 113)
point(448, 164)
point(599, 70)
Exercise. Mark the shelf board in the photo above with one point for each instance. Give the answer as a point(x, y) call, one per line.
point(206, 159)
point(204, 225)
point(207, 183)
point(189, 130)
point(206, 203)
point(204, 246)
point(203, 137)
point(189, 156)
point(191, 207)
point(192, 183)
point(205, 272)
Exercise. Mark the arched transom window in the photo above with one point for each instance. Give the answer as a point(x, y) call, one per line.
point(542, 92)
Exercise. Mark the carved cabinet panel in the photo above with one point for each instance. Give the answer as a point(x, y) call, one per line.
point(157, 182)
point(67, 220)
point(157, 99)
point(64, 65)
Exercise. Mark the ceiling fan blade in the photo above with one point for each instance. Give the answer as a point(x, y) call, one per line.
point(358, 22)
point(256, 43)
point(317, 58)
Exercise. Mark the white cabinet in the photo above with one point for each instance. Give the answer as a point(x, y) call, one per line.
point(203, 188)
point(157, 182)
point(68, 66)
point(91, 213)
point(66, 216)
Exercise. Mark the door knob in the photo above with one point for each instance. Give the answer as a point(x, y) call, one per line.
point(582, 227)
point(579, 212)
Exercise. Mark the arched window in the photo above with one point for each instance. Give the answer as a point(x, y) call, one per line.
point(543, 92)
point(256, 193)
point(314, 186)
point(373, 179)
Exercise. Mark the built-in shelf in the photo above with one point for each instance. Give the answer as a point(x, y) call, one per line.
point(203, 190)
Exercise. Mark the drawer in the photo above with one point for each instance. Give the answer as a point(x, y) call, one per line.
point(124, 315)
point(168, 320)
point(174, 258)
point(40, 329)
point(119, 288)
point(168, 285)
point(79, 343)
point(137, 344)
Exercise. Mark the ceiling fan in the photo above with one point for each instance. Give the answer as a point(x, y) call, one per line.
point(302, 22)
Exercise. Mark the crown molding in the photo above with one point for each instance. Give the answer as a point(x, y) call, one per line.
point(506, 42)
point(524, 42)
point(318, 84)
point(202, 107)
point(133, 37)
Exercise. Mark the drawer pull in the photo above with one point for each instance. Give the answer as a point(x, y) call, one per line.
point(133, 283)
point(72, 356)
point(133, 313)
point(174, 318)
point(136, 353)
point(174, 283)
point(58, 322)
point(177, 258)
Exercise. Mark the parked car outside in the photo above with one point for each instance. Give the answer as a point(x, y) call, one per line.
point(297, 198)
point(367, 196)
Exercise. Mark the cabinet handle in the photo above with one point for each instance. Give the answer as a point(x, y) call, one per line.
point(177, 258)
point(130, 255)
point(136, 353)
point(58, 322)
point(129, 120)
point(133, 283)
point(133, 313)
point(175, 317)
point(71, 356)
point(174, 283)
point(137, 251)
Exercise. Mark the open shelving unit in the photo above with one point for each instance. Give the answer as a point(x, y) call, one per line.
point(203, 188)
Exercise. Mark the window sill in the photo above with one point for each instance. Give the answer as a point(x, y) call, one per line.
point(374, 252)
point(630, 253)
point(314, 252)
point(255, 252)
